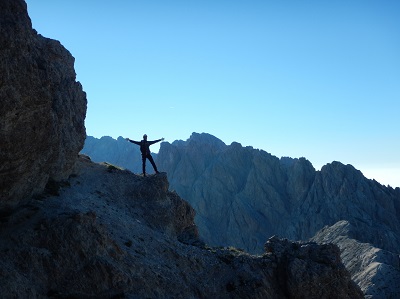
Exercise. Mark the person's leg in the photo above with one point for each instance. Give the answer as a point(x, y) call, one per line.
point(144, 165)
point(152, 163)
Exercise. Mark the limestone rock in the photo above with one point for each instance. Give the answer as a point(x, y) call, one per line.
point(226, 186)
point(109, 233)
point(300, 264)
point(42, 108)
point(341, 192)
point(243, 196)
point(375, 270)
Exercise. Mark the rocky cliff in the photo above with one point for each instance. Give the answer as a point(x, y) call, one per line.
point(71, 228)
point(375, 270)
point(108, 233)
point(42, 108)
point(243, 196)
point(260, 195)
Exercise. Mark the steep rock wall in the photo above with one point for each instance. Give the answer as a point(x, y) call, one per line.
point(375, 270)
point(242, 195)
point(42, 108)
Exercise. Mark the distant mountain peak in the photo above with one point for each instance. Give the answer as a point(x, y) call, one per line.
point(205, 138)
point(242, 196)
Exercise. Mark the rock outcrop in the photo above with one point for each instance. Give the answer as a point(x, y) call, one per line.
point(303, 260)
point(108, 233)
point(243, 196)
point(42, 108)
point(375, 270)
point(340, 192)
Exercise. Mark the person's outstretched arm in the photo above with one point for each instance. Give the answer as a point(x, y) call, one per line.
point(133, 141)
point(155, 141)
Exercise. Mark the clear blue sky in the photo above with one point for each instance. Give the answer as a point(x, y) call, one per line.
point(314, 79)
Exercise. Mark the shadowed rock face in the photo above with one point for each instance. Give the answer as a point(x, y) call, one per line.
point(42, 108)
point(300, 263)
point(243, 196)
point(375, 270)
point(108, 233)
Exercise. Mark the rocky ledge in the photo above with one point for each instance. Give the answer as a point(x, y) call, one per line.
point(107, 233)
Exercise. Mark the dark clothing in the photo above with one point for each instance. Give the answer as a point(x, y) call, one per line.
point(145, 150)
point(145, 145)
point(151, 161)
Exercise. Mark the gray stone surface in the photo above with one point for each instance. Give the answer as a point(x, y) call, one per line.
point(108, 233)
point(375, 270)
point(243, 196)
point(42, 108)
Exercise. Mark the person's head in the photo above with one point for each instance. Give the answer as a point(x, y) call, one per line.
point(145, 137)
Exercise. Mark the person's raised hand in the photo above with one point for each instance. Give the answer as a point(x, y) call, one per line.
point(162, 139)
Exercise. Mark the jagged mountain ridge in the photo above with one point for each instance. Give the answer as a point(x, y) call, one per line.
point(289, 199)
point(294, 199)
point(241, 194)
point(271, 196)
point(259, 195)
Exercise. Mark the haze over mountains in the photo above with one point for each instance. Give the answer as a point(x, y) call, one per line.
point(242, 196)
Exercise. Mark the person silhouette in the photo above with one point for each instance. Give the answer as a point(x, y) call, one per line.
point(145, 150)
